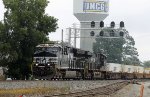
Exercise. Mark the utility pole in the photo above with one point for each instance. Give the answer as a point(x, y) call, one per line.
point(75, 37)
point(62, 35)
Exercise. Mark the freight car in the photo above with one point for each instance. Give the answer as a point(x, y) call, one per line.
point(61, 61)
point(121, 71)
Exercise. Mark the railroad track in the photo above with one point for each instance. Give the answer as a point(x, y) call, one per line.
point(104, 90)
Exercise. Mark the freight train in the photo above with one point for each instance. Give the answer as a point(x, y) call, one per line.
point(59, 61)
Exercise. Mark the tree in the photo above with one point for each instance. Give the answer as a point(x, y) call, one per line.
point(130, 54)
point(25, 26)
point(112, 48)
point(147, 64)
point(117, 50)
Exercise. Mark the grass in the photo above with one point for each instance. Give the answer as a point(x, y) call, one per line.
point(30, 91)
point(2, 77)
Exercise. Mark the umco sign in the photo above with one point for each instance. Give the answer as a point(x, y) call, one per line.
point(95, 6)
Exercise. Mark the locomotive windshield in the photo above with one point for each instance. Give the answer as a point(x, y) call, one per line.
point(47, 49)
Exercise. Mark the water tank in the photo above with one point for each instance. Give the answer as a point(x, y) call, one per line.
point(91, 10)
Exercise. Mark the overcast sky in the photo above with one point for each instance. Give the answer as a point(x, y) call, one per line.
point(135, 14)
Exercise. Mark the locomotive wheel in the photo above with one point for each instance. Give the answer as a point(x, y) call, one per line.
point(63, 74)
point(78, 74)
point(92, 75)
point(52, 72)
point(82, 74)
point(86, 72)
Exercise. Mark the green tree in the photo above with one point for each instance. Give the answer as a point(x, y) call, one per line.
point(130, 54)
point(147, 64)
point(25, 25)
point(6, 53)
point(112, 48)
point(117, 50)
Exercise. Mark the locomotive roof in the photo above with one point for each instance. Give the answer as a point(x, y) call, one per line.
point(49, 45)
point(76, 50)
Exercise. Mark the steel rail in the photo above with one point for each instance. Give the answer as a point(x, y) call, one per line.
point(104, 90)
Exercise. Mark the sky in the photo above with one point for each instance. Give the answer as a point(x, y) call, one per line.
point(135, 14)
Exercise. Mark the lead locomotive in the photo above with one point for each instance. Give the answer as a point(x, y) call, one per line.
point(62, 61)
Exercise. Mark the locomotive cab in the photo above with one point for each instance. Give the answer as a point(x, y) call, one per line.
point(45, 59)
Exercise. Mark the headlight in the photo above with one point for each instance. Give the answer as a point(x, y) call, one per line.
point(36, 64)
point(48, 64)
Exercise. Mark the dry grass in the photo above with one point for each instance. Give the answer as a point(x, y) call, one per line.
point(2, 77)
point(30, 92)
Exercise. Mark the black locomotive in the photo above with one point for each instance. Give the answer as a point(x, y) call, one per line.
point(61, 61)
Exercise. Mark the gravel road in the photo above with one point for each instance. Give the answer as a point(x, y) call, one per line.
point(133, 90)
point(146, 89)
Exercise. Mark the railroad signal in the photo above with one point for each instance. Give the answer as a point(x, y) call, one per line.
point(101, 24)
point(92, 24)
point(112, 33)
point(112, 24)
point(121, 34)
point(121, 24)
point(92, 33)
point(101, 33)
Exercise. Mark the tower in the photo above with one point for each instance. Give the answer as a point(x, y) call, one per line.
point(88, 11)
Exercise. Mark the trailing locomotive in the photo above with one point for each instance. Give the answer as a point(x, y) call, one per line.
point(62, 61)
